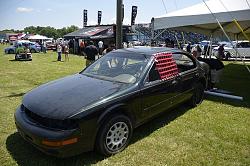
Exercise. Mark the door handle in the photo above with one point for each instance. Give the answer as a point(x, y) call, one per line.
point(174, 82)
point(196, 75)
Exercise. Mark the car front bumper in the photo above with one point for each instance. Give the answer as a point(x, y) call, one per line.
point(35, 134)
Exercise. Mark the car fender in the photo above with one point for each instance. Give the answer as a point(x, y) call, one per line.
point(120, 108)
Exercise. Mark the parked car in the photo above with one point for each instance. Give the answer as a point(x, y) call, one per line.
point(50, 45)
point(23, 56)
point(99, 107)
point(33, 47)
point(243, 48)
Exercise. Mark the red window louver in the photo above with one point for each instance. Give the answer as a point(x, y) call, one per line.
point(166, 66)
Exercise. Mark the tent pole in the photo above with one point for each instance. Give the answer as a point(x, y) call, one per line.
point(240, 28)
point(235, 48)
point(152, 30)
point(183, 37)
point(210, 46)
point(156, 36)
point(177, 41)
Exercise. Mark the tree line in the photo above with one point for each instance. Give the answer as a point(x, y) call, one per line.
point(48, 31)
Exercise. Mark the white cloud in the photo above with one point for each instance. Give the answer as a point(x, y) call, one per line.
point(49, 10)
point(24, 10)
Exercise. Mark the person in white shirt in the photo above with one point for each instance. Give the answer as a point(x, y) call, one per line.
point(100, 47)
point(59, 51)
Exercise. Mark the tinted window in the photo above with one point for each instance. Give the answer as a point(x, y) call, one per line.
point(184, 63)
point(244, 45)
point(153, 74)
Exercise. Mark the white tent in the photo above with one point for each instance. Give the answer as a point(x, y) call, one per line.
point(199, 19)
point(37, 37)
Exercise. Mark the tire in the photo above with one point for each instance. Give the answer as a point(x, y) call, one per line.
point(114, 135)
point(198, 95)
point(33, 51)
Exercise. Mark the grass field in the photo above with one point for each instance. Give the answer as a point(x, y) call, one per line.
point(215, 133)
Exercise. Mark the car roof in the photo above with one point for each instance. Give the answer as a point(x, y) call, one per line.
point(148, 51)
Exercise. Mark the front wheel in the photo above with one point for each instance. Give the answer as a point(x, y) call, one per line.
point(198, 95)
point(114, 135)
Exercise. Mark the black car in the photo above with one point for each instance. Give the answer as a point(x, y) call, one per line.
point(99, 107)
point(23, 56)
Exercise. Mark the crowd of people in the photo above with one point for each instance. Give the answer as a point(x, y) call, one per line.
point(4, 42)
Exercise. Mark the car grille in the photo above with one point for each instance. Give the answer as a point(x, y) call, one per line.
point(48, 122)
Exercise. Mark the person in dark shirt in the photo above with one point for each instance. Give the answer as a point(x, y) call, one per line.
point(221, 52)
point(91, 51)
point(189, 48)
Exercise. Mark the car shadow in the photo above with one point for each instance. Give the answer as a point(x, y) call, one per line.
point(25, 154)
point(16, 95)
point(57, 61)
point(20, 60)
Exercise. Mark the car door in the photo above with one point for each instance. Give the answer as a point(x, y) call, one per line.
point(157, 94)
point(188, 75)
point(244, 49)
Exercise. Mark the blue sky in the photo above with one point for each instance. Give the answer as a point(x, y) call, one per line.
point(17, 14)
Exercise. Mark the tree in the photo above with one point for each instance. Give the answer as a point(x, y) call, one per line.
point(46, 31)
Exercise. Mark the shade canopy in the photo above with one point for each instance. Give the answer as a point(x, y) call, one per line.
point(198, 18)
point(92, 32)
point(37, 37)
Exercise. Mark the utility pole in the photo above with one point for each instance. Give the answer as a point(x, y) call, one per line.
point(119, 18)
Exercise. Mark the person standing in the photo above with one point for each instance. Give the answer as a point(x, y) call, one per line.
point(66, 51)
point(82, 45)
point(91, 51)
point(59, 52)
point(189, 48)
point(44, 46)
point(100, 46)
point(198, 51)
point(221, 52)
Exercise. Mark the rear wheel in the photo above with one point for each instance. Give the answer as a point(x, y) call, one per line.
point(32, 50)
point(198, 94)
point(114, 135)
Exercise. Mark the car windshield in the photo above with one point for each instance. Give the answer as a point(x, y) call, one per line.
point(118, 67)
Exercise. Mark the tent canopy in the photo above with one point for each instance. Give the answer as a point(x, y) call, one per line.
point(198, 18)
point(37, 37)
point(92, 32)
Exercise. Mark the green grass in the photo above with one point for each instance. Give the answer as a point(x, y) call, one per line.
point(215, 133)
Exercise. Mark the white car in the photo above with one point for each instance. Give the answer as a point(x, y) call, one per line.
point(243, 48)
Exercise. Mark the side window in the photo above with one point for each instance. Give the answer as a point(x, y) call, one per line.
point(183, 62)
point(153, 74)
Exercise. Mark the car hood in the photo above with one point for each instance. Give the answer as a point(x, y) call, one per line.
point(65, 97)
